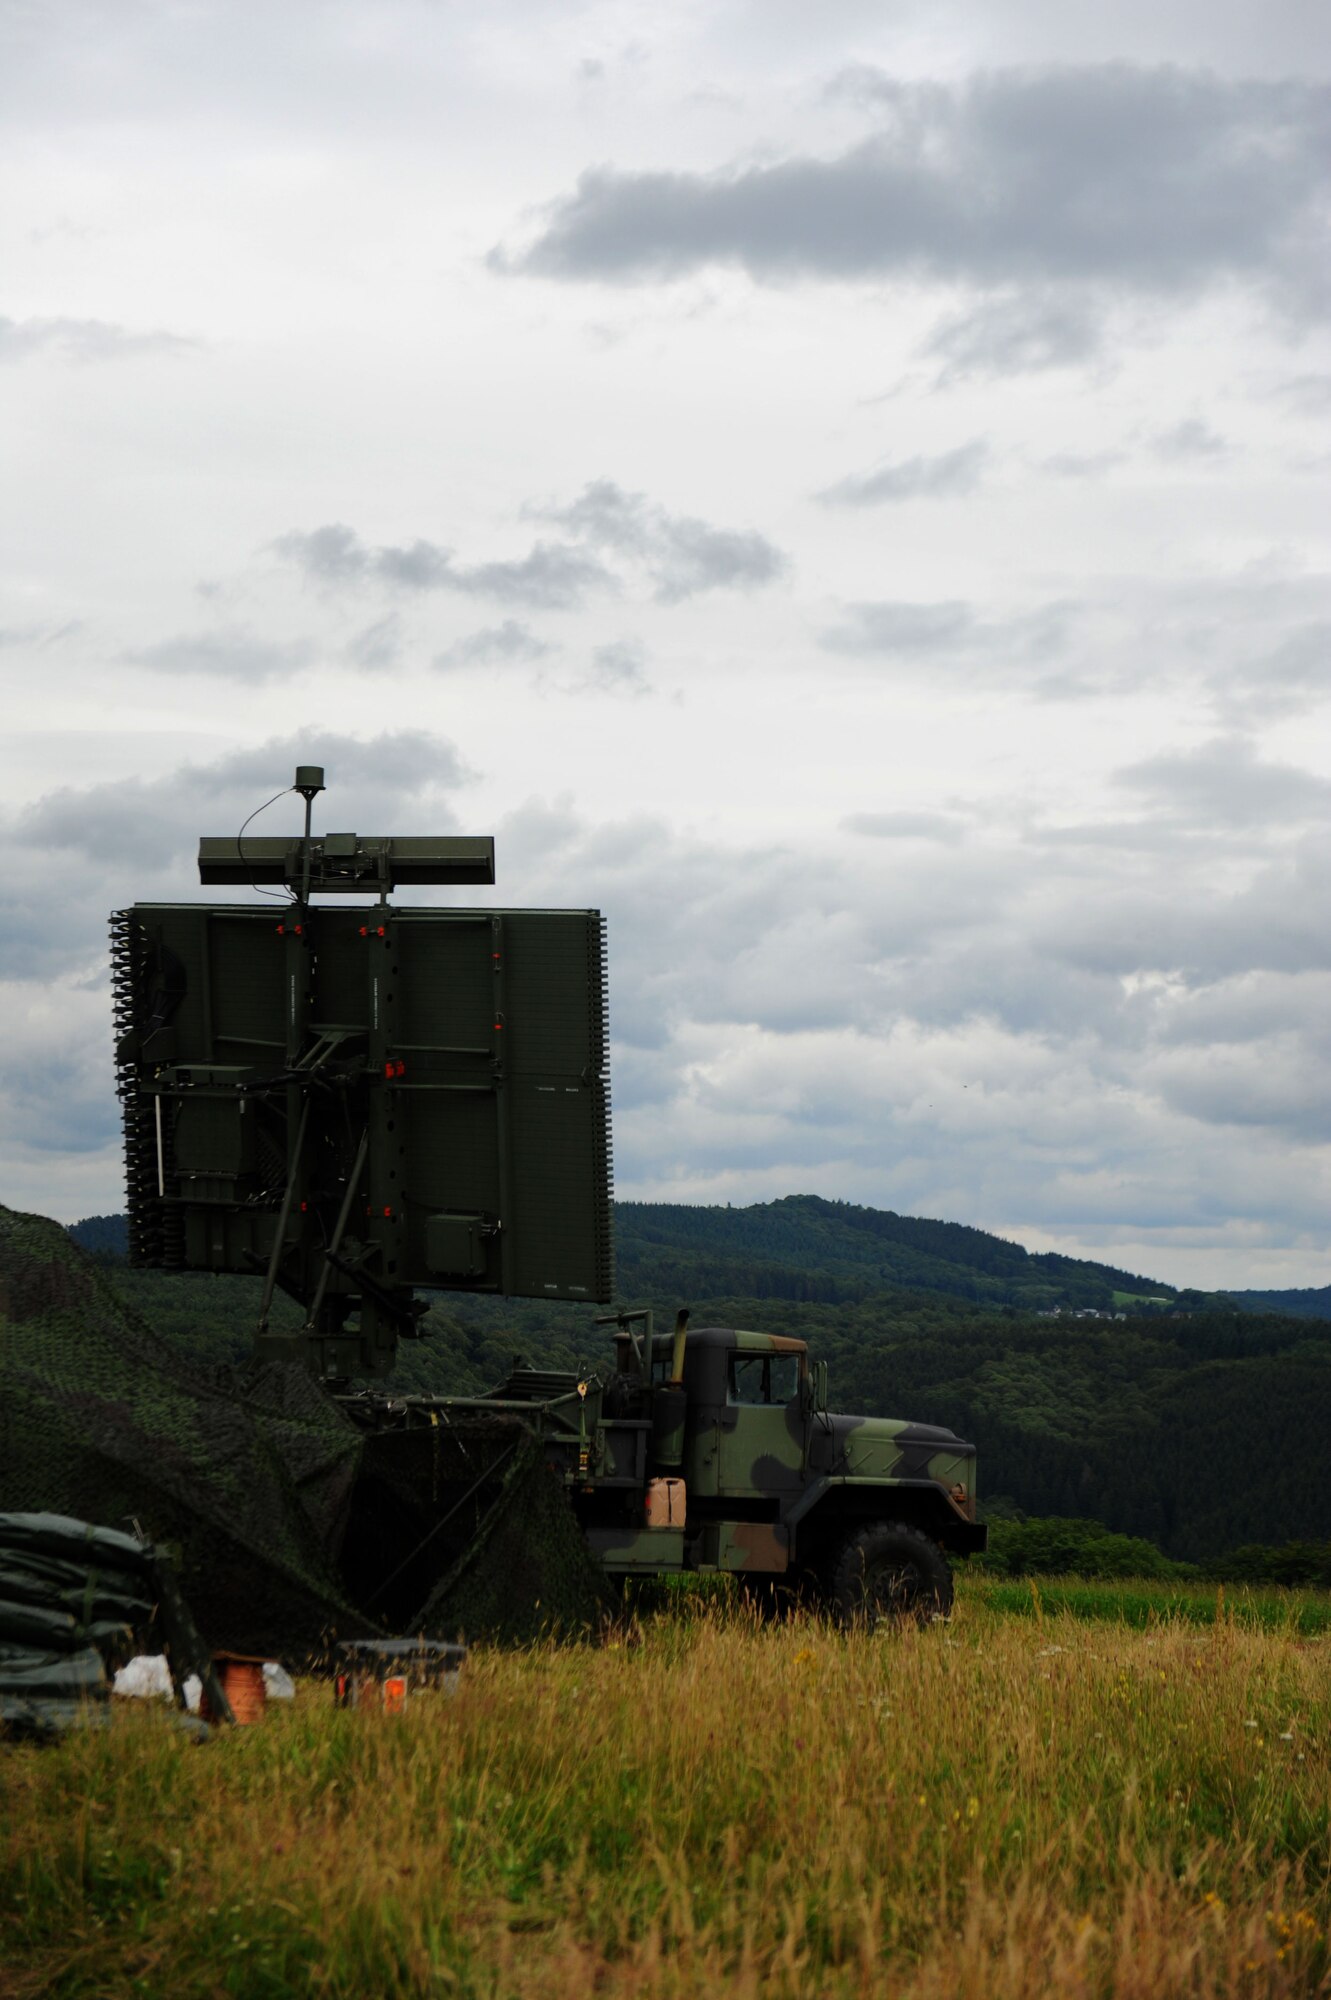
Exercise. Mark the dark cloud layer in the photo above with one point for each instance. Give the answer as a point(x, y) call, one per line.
point(1028, 1028)
point(154, 824)
point(1154, 179)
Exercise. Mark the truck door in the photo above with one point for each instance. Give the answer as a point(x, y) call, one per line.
point(762, 1433)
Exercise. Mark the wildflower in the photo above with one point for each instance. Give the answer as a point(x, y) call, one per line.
point(921, 1800)
point(804, 1656)
point(972, 1808)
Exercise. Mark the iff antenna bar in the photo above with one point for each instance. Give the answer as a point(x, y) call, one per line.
point(348, 864)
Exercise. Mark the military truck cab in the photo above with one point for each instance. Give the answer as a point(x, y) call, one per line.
point(862, 1512)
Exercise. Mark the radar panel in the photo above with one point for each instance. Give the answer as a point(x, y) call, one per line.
point(361, 1102)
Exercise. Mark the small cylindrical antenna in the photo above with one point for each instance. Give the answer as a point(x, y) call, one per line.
point(309, 783)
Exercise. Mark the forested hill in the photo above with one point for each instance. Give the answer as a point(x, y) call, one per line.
point(1306, 1302)
point(803, 1247)
point(1195, 1423)
point(830, 1252)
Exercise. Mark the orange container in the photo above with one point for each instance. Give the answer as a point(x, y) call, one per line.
point(666, 1503)
point(366, 1691)
point(243, 1685)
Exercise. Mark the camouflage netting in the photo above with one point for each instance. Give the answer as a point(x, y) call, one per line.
point(526, 1571)
point(250, 1478)
point(288, 1517)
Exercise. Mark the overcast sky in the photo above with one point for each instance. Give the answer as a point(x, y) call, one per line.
point(841, 488)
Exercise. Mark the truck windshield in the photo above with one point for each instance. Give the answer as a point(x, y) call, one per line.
point(764, 1378)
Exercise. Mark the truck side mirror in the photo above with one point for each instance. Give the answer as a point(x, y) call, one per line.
point(820, 1385)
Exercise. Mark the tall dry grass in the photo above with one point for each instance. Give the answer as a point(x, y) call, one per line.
point(1002, 1807)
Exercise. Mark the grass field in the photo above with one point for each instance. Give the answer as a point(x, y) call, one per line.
point(1298, 1613)
point(1009, 1805)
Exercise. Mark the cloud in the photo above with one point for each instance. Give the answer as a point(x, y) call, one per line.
point(232, 655)
point(618, 668)
point(1080, 464)
point(944, 477)
point(1189, 441)
point(1020, 334)
point(38, 635)
point(550, 577)
point(1158, 180)
point(1043, 1017)
point(1226, 783)
point(378, 645)
point(85, 340)
point(1008, 1030)
point(891, 629)
point(509, 644)
point(905, 826)
point(154, 824)
point(682, 555)
point(1245, 649)
point(1307, 395)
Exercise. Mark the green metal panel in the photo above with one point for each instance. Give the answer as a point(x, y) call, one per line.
point(452, 1062)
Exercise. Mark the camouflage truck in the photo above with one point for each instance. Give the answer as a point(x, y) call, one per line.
point(709, 1451)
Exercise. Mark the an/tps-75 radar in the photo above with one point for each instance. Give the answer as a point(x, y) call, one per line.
point(359, 1101)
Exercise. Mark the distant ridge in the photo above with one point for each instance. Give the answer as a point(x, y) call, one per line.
point(1195, 1422)
point(1307, 1302)
point(802, 1247)
point(102, 1235)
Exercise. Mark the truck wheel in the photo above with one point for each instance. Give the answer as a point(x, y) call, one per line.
point(890, 1571)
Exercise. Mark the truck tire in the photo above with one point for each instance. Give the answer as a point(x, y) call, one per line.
point(890, 1573)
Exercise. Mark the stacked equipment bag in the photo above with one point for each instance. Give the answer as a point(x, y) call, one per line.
point(76, 1601)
